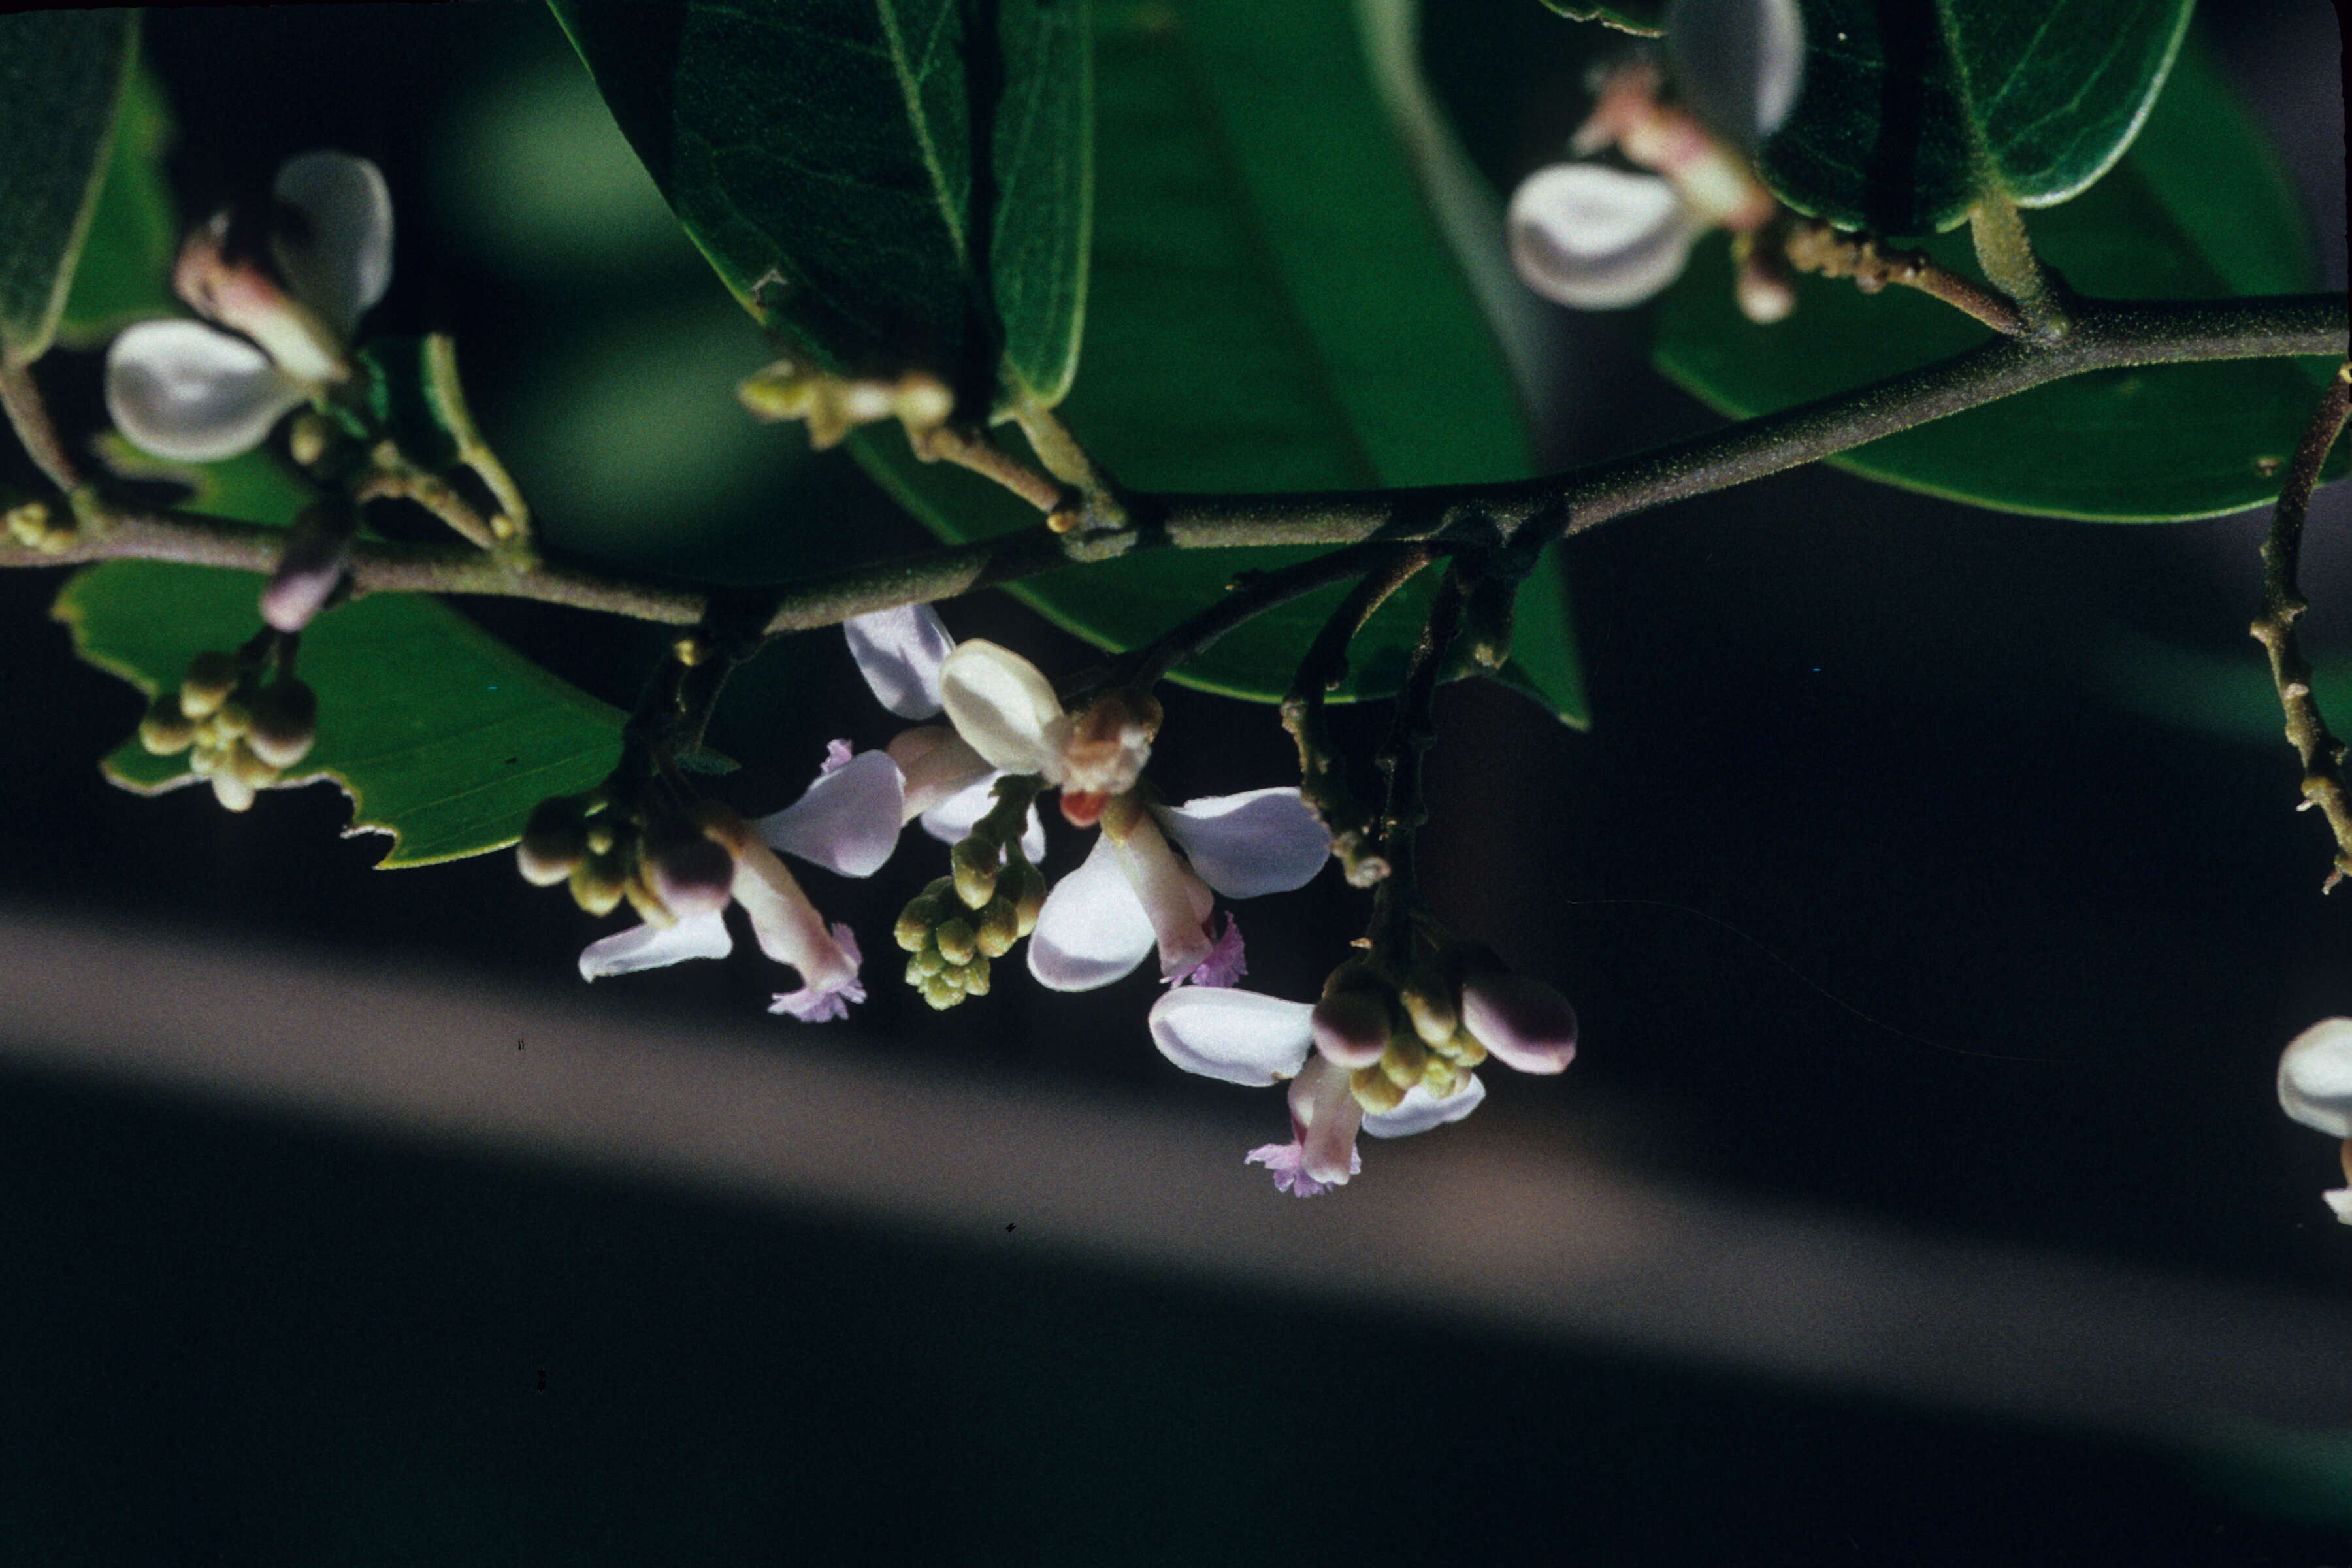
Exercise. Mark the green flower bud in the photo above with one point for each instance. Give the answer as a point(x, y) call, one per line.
point(165, 730)
point(997, 928)
point(211, 677)
point(206, 760)
point(1375, 1090)
point(1428, 998)
point(231, 790)
point(553, 841)
point(1406, 1061)
point(975, 860)
point(941, 992)
point(929, 963)
point(973, 976)
point(252, 769)
point(956, 940)
point(915, 921)
point(598, 884)
point(285, 722)
point(915, 976)
point(1030, 898)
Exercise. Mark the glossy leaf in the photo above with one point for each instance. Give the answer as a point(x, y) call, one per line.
point(866, 175)
point(1911, 111)
point(2195, 210)
point(442, 736)
point(61, 73)
point(1644, 17)
point(126, 259)
point(1273, 308)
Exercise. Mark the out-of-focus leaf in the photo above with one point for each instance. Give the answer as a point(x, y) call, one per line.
point(2197, 209)
point(1911, 111)
point(1273, 308)
point(1645, 18)
point(126, 259)
point(442, 736)
point(61, 74)
point(867, 174)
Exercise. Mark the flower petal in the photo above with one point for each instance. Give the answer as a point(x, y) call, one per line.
point(1243, 845)
point(950, 821)
point(1177, 902)
point(336, 254)
point(1420, 1110)
point(1323, 1117)
point(899, 652)
point(1002, 706)
point(1241, 1037)
point(2314, 1078)
point(1738, 62)
point(651, 947)
point(1093, 929)
point(187, 391)
point(848, 819)
point(1596, 237)
point(1287, 1165)
point(827, 996)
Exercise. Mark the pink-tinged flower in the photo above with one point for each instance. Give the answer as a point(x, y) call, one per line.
point(1522, 1022)
point(1325, 1119)
point(1006, 710)
point(2315, 1086)
point(787, 927)
point(1133, 893)
point(1600, 238)
point(192, 392)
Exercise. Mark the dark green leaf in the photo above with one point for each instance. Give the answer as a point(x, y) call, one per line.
point(126, 260)
point(1644, 17)
point(2195, 210)
point(864, 174)
point(1911, 111)
point(61, 73)
point(1273, 308)
point(400, 395)
point(1543, 664)
point(443, 737)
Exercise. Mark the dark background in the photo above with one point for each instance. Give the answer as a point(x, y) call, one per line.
point(1924, 864)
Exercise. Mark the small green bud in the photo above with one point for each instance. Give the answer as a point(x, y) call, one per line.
point(914, 975)
point(285, 722)
point(915, 921)
point(598, 884)
point(1429, 1003)
point(602, 837)
point(929, 963)
point(956, 940)
point(253, 769)
point(553, 840)
point(1375, 1090)
point(1030, 898)
point(206, 760)
point(941, 992)
point(997, 928)
point(231, 790)
point(165, 730)
point(211, 677)
point(232, 720)
point(973, 976)
point(1406, 1061)
point(1467, 1052)
point(1441, 1077)
point(975, 860)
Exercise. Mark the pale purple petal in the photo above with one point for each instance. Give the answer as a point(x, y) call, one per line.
point(899, 652)
point(837, 756)
point(1093, 929)
point(1243, 845)
point(189, 392)
point(1524, 1023)
point(337, 258)
point(1420, 1110)
point(824, 1000)
point(1177, 902)
point(1597, 237)
point(1323, 1117)
point(653, 947)
point(1004, 707)
point(2314, 1078)
point(1286, 1162)
point(1225, 963)
point(848, 820)
point(1241, 1037)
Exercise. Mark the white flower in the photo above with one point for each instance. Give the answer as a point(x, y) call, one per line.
point(787, 927)
point(2315, 1086)
point(1133, 894)
point(1600, 238)
point(190, 393)
point(1004, 707)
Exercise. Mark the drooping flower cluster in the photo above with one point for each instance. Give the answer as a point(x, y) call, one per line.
point(1599, 237)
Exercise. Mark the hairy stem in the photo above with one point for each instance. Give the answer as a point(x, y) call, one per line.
point(2282, 605)
point(1814, 247)
point(1411, 732)
point(1247, 597)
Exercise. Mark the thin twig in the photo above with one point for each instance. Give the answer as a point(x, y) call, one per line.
point(1411, 732)
point(1247, 598)
point(1812, 246)
point(394, 479)
point(1099, 506)
point(2284, 604)
point(973, 449)
point(1322, 777)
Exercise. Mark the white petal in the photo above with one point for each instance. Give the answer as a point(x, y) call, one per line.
point(1420, 1110)
point(899, 652)
point(1177, 902)
point(1241, 1037)
point(1093, 929)
point(184, 391)
point(1597, 237)
point(1739, 62)
point(1325, 1115)
point(1265, 841)
point(2314, 1078)
point(651, 947)
point(848, 820)
point(1002, 706)
point(337, 256)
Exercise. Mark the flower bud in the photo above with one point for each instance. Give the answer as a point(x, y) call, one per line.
point(1524, 1023)
point(1030, 898)
point(688, 872)
point(231, 790)
point(309, 566)
point(941, 992)
point(206, 759)
point(1375, 1090)
point(166, 729)
point(973, 976)
point(997, 928)
point(598, 884)
point(1352, 1026)
point(1406, 1061)
point(975, 864)
point(251, 768)
point(956, 940)
point(285, 722)
point(927, 963)
point(211, 677)
point(1428, 998)
point(553, 841)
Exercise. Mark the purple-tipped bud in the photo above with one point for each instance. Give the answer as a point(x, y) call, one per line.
point(1350, 1027)
point(553, 841)
point(1522, 1022)
point(689, 873)
point(309, 568)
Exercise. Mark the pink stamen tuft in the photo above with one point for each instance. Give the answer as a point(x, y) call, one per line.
point(836, 755)
point(1286, 1161)
point(827, 1004)
point(1225, 963)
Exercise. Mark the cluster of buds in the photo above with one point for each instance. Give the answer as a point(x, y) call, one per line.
point(833, 405)
point(36, 526)
point(241, 726)
point(661, 862)
point(1427, 1028)
point(953, 928)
